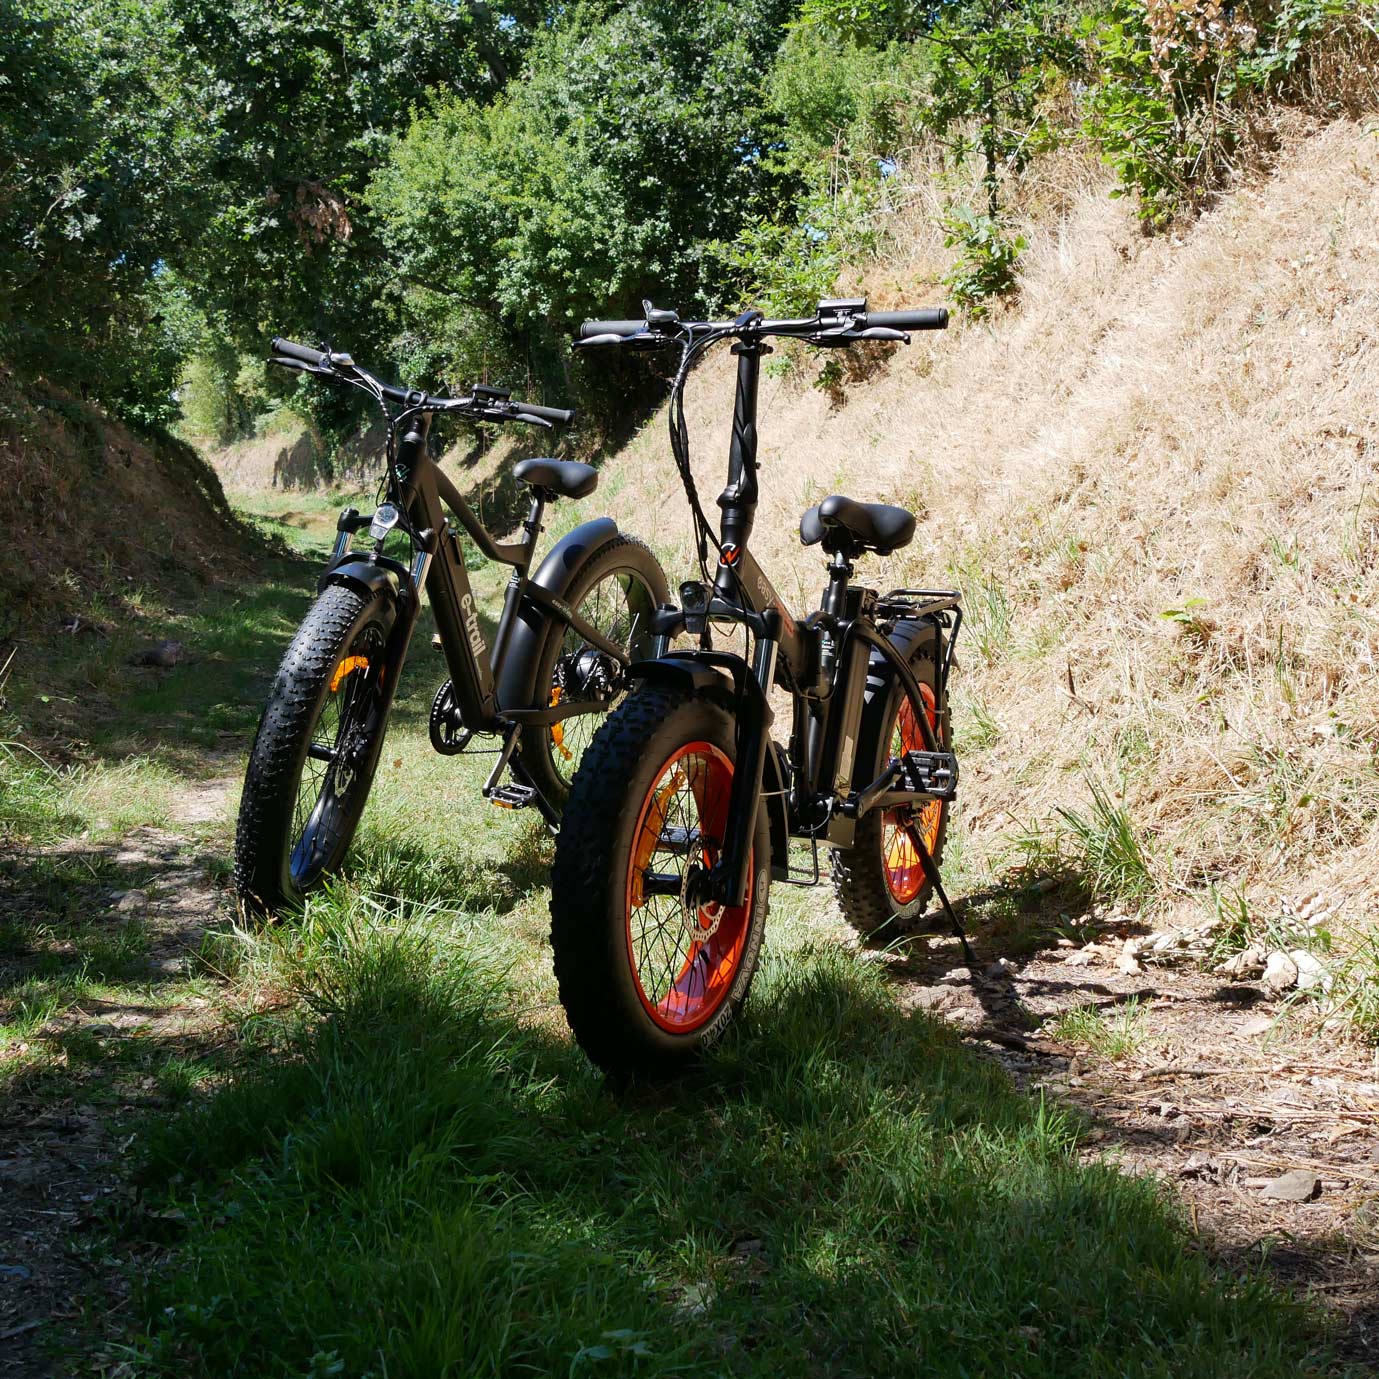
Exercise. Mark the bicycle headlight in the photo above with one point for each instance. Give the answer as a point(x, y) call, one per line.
point(384, 520)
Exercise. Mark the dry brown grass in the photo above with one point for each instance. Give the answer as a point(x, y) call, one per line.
point(1182, 427)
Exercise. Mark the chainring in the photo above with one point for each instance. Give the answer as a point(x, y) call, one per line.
point(449, 736)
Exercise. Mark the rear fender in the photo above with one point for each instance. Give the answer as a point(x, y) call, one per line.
point(556, 573)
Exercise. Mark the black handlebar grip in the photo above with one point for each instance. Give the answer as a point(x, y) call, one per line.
point(926, 318)
point(591, 328)
point(562, 416)
point(315, 358)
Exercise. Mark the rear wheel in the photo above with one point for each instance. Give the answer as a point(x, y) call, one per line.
point(317, 746)
point(880, 882)
point(648, 976)
point(617, 590)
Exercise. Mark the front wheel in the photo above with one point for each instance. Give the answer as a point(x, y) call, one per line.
point(649, 978)
point(317, 747)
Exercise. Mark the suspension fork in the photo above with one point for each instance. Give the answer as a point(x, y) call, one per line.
point(727, 882)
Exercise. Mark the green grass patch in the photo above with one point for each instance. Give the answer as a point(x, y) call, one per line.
point(415, 1183)
point(1113, 1033)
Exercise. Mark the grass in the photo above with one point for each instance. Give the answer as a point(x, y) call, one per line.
point(417, 1183)
point(394, 1162)
point(1093, 855)
point(1114, 1033)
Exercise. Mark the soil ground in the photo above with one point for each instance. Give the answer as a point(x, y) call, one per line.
point(67, 1127)
point(1221, 1094)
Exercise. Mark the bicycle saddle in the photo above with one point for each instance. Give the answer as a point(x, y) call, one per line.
point(872, 526)
point(566, 477)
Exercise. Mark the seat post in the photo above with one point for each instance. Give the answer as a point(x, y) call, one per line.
point(532, 526)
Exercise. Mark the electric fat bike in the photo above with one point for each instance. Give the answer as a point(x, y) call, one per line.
point(557, 662)
point(683, 808)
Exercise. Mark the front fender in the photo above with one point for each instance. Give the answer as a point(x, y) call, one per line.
point(694, 672)
point(362, 573)
point(517, 683)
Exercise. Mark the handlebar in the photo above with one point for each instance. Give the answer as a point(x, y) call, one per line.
point(590, 328)
point(302, 354)
point(483, 405)
point(843, 322)
point(925, 318)
point(559, 416)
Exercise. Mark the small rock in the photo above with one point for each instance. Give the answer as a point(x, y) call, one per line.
point(1280, 972)
point(1200, 1165)
point(956, 975)
point(696, 1299)
point(1311, 973)
point(1261, 1024)
point(132, 901)
point(164, 655)
point(1298, 1185)
point(1247, 963)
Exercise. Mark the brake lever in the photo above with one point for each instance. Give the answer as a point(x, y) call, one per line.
point(837, 339)
point(300, 366)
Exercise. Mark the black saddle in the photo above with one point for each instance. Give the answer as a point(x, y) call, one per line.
point(569, 478)
point(844, 525)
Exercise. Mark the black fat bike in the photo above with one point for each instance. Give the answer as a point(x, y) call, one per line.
point(556, 663)
point(684, 807)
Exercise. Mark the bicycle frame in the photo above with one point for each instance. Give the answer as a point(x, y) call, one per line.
point(424, 492)
point(823, 662)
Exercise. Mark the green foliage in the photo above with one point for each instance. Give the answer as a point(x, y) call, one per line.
point(632, 139)
point(986, 265)
point(87, 153)
point(1113, 1033)
point(1177, 83)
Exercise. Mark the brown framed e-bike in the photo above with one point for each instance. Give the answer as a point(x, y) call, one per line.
point(683, 808)
point(555, 665)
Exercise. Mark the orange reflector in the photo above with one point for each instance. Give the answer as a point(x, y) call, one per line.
point(558, 729)
point(347, 667)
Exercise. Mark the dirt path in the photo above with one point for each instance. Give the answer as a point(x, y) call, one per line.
point(69, 1118)
point(1217, 1092)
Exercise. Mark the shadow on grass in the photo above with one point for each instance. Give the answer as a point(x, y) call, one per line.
point(421, 1186)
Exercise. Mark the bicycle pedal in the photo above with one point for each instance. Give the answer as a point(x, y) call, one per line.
point(930, 773)
point(511, 796)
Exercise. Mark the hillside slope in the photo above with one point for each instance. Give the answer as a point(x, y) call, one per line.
point(1154, 481)
point(91, 509)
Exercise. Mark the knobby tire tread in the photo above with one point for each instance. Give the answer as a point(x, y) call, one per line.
point(270, 783)
point(585, 892)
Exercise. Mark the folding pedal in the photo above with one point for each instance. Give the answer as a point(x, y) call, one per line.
point(930, 773)
point(511, 795)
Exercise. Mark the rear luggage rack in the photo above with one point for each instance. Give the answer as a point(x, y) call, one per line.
point(943, 606)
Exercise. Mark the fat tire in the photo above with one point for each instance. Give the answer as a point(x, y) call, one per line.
point(588, 918)
point(263, 836)
point(536, 744)
point(859, 882)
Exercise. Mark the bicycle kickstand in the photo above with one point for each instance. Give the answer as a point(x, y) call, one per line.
point(931, 871)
